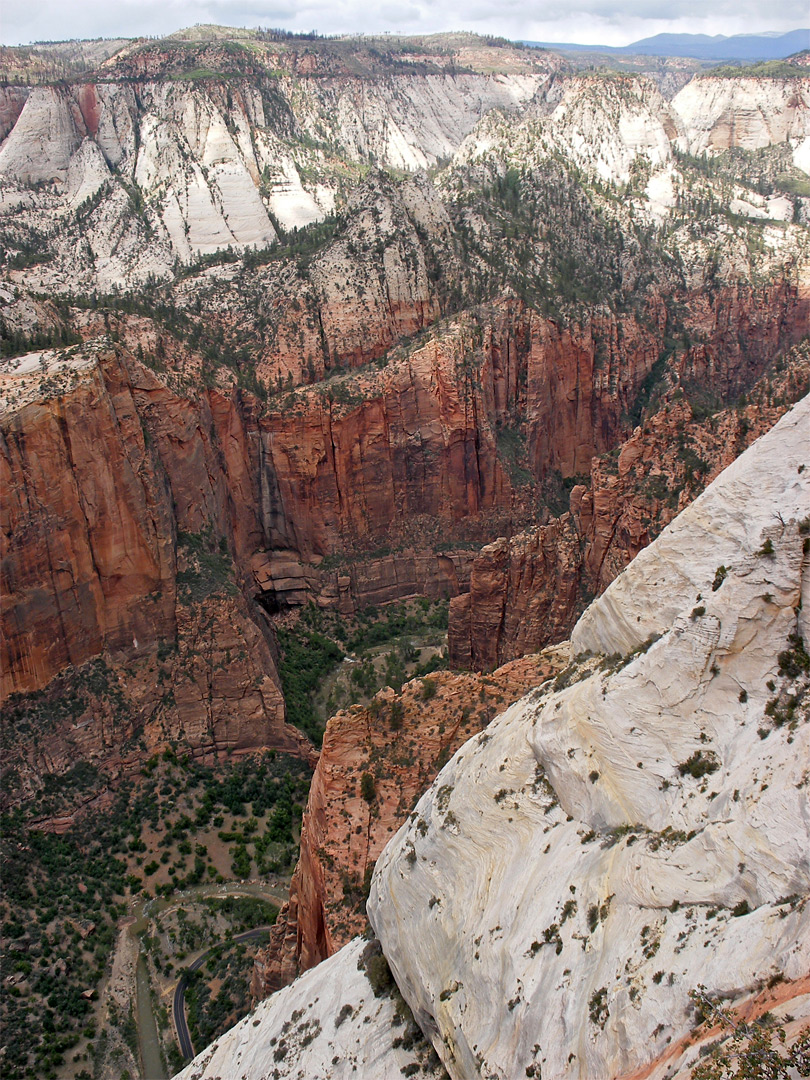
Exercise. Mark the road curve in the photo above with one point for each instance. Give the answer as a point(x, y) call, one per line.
point(178, 1004)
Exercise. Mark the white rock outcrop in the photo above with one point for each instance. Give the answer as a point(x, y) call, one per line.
point(721, 113)
point(406, 122)
point(601, 125)
point(327, 1025)
point(191, 168)
point(605, 846)
point(43, 140)
point(605, 125)
point(208, 166)
point(599, 852)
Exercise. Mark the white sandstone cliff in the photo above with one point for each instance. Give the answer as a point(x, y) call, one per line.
point(593, 856)
point(722, 113)
point(126, 179)
point(605, 846)
point(214, 164)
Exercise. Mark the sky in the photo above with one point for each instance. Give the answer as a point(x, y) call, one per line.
point(607, 22)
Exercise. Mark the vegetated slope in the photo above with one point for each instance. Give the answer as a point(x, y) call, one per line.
point(616, 838)
point(69, 949)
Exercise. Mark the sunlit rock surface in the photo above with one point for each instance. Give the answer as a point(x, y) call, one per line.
point(326, 1026)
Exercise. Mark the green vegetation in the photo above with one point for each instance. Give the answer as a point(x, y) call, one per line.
point(386, 647)
point(209, 567)
point(598, 1010)
point(376, 967)
point(699, 764)
point(512, 451)
point(540, 231)
point(16, 343)
point(795, 660)
point(763, 69)
point(307, 657)
point(368, 788)
point(747, 1050)
point(720, 575)
point(650, 388)
point(218, 993)
point(64, 894)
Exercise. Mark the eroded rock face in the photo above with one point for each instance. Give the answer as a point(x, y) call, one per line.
point(43, 139)
point(401, 740)
point(174, 170)
point(216, 164)
point(719, 114)
point(12, 99)
point(409, 454)
point(326, 1026)
point(575, 848)
point(528, 590)
point(88, 562)
point(99, 480)
point(413, 443)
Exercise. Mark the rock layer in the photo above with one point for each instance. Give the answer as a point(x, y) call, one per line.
point(647, 797)
point(376, 459)
point(528, 590)
point(613, 840)
point(722, 113)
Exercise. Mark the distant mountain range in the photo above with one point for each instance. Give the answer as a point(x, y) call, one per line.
point(700, 46)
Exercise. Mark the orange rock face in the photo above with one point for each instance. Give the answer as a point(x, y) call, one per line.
point(529, 591)
point(401, 741)
point(88, 563)
point(102, 477)
point(103, 472)
point(12, 100)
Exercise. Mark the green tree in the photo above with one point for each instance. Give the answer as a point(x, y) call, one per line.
point(749, 1051)
point(368, 788)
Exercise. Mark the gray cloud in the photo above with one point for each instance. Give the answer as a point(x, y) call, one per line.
point(611, 22)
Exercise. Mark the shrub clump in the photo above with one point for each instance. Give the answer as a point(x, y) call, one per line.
point(699, 764)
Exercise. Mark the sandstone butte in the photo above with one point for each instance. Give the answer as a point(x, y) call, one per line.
point(619, 836)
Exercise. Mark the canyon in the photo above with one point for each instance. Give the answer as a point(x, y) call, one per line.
point(582, 771)
point(306, 326)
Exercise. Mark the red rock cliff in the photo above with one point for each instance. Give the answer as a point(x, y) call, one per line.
point(528, 591)
point(402, 741)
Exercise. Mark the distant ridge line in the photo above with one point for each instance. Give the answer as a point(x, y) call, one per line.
point(698, 46)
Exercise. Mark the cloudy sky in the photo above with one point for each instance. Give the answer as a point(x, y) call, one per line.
point(608, 22)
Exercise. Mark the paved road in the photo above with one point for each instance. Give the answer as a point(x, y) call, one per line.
point(178, 1006)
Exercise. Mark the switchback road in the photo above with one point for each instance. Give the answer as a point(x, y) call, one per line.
point(178, 1005)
